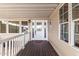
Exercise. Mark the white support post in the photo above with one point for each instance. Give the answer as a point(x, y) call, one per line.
point(6, 53)
point(12, 48)
point(71, 26)
point(9, 48)
point(16, 45)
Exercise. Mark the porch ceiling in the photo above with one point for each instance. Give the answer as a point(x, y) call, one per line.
point(30, 10)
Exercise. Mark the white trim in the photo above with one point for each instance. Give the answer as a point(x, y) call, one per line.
point(13, 24)
point(76, 19)
point(71, 26)
point(64, 23)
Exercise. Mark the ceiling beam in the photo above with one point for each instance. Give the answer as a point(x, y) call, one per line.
point(48, 9)
point(28, 4)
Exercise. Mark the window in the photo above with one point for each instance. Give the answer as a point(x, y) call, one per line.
point(75, 16)
point(64, 22)
point(65, 7)
point(75, 11)
point(76, 34)
point(74, 4)
point(61, 10)
point(64, 32)
point(24, 28)
point(39, 23)
point(66, 17)
point(64, 13)
point(2, 27)
point(24, 23)
point(13, 29)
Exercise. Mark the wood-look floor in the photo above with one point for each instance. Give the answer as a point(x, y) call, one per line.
point(38, 48)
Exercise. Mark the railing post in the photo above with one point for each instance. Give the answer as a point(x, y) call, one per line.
point(13, 45)
point(12, 48)
point(16, 45)
point(6, 49)
point(9, 48)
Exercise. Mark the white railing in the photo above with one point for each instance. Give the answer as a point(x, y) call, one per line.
point(11, 46)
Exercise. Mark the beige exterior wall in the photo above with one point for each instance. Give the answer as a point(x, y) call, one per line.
point(62, 48)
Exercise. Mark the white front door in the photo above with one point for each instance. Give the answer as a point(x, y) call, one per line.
point(39, 30)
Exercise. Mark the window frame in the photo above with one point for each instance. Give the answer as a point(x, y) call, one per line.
point(71, 28)
point(73, 23)
point(62, 24)
point(75, 20)
point(13, 26)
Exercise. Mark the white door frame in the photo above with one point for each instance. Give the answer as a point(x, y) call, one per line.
point(43, 27)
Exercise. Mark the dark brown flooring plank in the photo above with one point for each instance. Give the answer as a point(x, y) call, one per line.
point(38, 48)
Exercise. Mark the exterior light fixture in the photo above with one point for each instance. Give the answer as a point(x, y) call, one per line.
point(29, 21)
